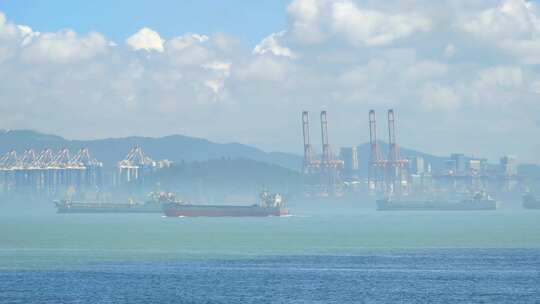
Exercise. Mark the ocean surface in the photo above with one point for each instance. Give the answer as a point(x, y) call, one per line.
point(323, 253)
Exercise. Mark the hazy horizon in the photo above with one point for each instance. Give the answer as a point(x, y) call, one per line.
point(298, 152)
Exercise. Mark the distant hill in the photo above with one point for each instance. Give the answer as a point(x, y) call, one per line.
point(180, 148)
point(364, 150)
point(177, 148)
point(220, 177)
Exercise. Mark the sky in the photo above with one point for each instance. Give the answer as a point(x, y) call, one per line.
point(121, 18)
point(462, 76)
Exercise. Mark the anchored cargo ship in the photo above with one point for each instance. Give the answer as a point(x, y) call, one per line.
point(479, 201)
point(153, 205)
point(270, 205)
point(531, 202)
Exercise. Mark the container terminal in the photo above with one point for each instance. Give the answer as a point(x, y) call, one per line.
point(394, 177)
point(383, 172)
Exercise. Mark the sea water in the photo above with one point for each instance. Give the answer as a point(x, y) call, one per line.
point(321, 254)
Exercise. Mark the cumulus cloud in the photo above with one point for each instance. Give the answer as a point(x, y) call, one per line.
point(13, 36)
point(265, 69)
point(271, 45)
point(436, 96)
point(509, 19)
point(512, 25)
point(500, 76)
point(189, 50)
point(183, 42)
point(7, 30)
point(372, 27)
point(450, 50)
point(222, 71)
point(146, 39)
point(306, 18)
point(426, 70)
point(454, 65)
point(314, 21)
point(64, 47)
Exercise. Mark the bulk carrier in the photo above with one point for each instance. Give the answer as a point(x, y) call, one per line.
point(153, 205)
point(479, 201)
point(531, 202)
point(270, 205)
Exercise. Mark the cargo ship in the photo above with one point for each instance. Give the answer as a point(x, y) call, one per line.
point(479, 201)
point(153, 205)
point(531, 202)
point(270, 205)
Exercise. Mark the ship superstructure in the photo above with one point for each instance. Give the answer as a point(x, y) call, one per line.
point(152, 205)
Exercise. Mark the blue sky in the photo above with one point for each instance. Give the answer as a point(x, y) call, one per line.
point(118, 19)
point(462, 75)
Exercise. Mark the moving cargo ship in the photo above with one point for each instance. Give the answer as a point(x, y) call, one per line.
point(531, 202)
point(270, 205)
point(479, 201)
point(153, 205)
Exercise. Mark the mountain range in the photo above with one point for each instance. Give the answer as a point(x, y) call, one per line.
point(218, 178)
point(178, 148)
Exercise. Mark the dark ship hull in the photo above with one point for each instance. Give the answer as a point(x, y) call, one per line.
point(389, 205)
point(191, 210)
point(76, 207)
point(531, 202)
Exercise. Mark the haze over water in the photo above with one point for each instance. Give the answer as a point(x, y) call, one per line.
point(321, 253)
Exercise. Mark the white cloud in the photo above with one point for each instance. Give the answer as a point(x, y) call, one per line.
point(525, 51)
point(265, 69)
point(500, 76)
point(183, 42)
point(221, 71)
point(63, 47)
point(7, 30)
point(426, 70)
point(511, 19)
point(189, 50)
point(535, 87)
point(350, 56)
point(218, 66)
point(315, 21)
point(271, 45)
point(146, 39)
point(224, 42)
point(450, 50)
point(10, 31)
point(306, 16)
point(27, 34)
point(435, 96)
point(374, 28)
point(513, 26)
